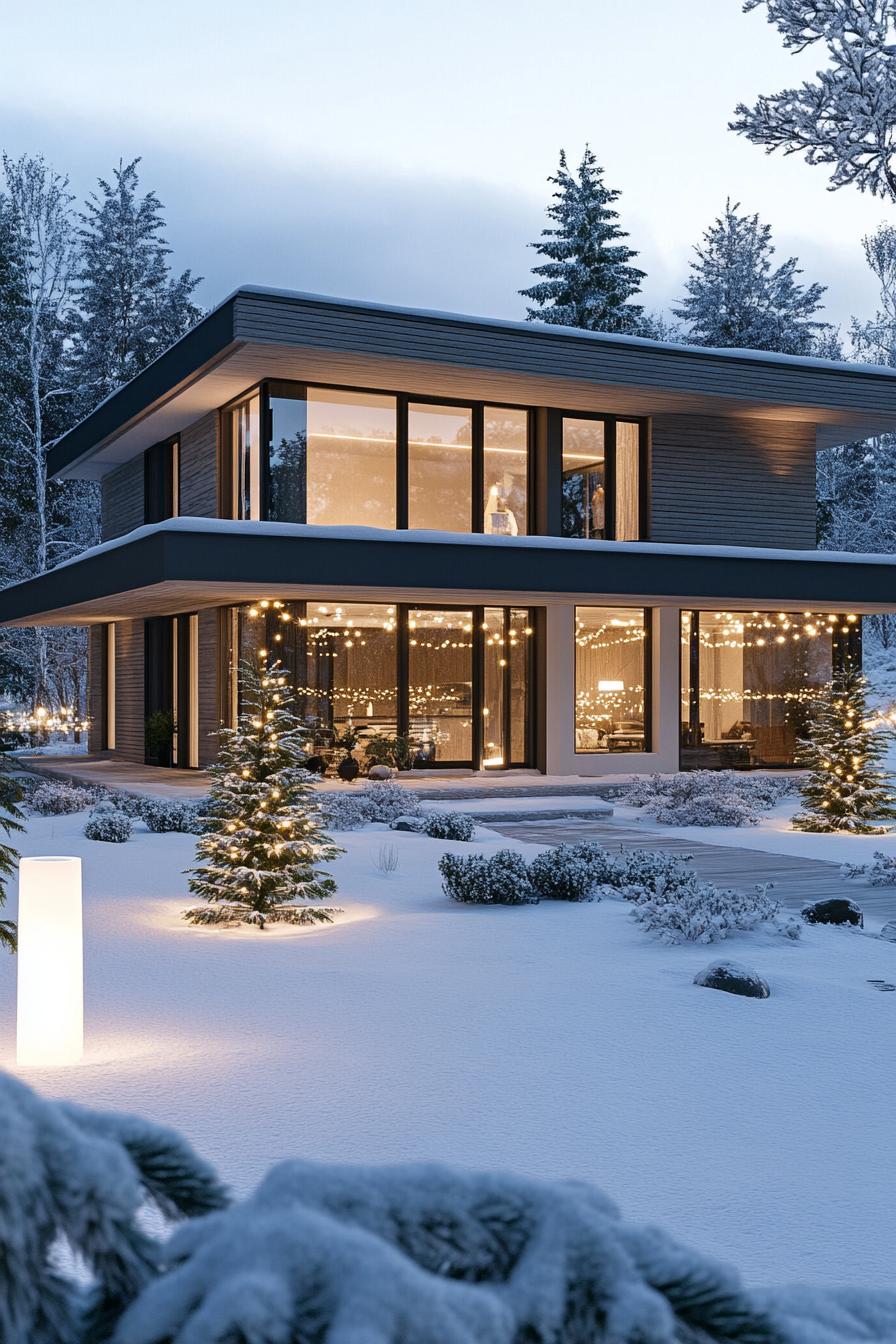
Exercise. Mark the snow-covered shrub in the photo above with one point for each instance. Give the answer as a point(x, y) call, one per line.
point(107, 823)
point(169, 814)
point(496, 879)
point(345, 811)
point(646, 871)
point(698, 912)
point(881, 872)
point(54, 799)
point(448, 826)
point(84, 1178)
point(388, 800)
point(708, 797)
point(571, 872)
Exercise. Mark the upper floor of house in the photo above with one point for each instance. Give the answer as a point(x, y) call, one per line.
point(295, 408)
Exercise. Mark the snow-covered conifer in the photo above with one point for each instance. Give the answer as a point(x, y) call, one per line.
point(586, 277)
point(846, 789)
point(735, 298)
point(262, 835)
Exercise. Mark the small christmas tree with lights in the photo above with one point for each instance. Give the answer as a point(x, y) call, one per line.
point(846, 789)
point(262, 836)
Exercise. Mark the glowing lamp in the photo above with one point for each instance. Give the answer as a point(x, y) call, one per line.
point(50, 1007)
point(611, 685)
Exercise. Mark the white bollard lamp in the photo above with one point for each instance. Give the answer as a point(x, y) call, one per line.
point(50, 1006)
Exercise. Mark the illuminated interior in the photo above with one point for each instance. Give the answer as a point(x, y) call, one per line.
point(456, 681)
point(611, 676)
point(749, 682)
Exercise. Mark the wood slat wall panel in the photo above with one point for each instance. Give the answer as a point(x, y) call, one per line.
point(747, 483)
point(122, 499)
point(209, 661)
point(129, 696)
point(199, 468)
point(96, 687)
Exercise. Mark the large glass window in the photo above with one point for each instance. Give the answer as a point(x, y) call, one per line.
point(246, 464)
point(505, 442)
point(602, 484)
point(611, 679)
point(440, 467)
point(440, 684)
point(749, 681)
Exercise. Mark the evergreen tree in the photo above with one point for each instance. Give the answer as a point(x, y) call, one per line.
point(262, 836)
point(587, 278)
point(846, 790)
point(131, 308)
point(736, 299)
point(10, 820)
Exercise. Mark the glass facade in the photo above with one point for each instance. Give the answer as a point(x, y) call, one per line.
point(246, 465)
point(440, 467)
point(749, 681)
point(432, 674)
point(612, 675)
point(602, 487)
point(505, 445)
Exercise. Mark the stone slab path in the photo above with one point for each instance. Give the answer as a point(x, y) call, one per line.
point(795, 880)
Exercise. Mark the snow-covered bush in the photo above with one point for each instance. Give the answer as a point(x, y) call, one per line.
point(698, 912)
point(448, 826)
point(646, 871)
point(707, 797)
point(881, 872)
point(345, 811)
point(54, 799)
point(169, 814)
point(388, 800)
point(571, 872)
point(84, 1178)
point(496, 879)
point(107, 823)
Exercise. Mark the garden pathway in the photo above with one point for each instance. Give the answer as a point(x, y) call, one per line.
point(796, 880)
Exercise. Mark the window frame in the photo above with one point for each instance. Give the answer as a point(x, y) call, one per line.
point(609, 423)
point(647, 645)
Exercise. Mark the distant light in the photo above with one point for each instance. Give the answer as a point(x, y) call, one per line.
point(611, 685)
point(50, 1006)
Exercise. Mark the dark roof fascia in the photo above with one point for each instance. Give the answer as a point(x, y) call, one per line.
point(463, 569)
point(202, 344)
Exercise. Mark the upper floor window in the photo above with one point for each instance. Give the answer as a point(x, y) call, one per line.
point(161, 481)
point(602, 478)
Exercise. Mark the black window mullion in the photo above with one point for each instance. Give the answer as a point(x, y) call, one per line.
point(401, 465)
point(403, 714)
point(477, 484)
point(478, 697)
point(610, 480)
point(265, 435)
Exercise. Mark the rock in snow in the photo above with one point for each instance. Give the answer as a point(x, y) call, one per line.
point(733, 979)
point(837, 910)
point(889, 931)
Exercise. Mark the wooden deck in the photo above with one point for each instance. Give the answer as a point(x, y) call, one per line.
point(795, 880)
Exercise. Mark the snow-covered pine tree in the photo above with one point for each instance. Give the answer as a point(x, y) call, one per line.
point(846, 115)
point(262, 838)
point(587, 278)
point(10, 820)
point(734, 298)
point(846, 789)
point(130, 305)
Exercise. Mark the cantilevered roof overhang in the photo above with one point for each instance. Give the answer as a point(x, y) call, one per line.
point(261, 333)
point(187, 564)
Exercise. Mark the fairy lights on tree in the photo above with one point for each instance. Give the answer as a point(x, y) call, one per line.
point(846, 789)
point(263, 839)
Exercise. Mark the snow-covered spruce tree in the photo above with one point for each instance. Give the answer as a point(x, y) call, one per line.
point(734, 297)
point(130, 306)
point(262, 836)
point(846, 789)
point(587, 278)
point(10, 820)
point(846, 115)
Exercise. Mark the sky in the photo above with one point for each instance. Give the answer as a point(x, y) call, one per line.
point(399, 151)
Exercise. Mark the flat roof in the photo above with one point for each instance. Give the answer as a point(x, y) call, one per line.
point(186, 564)
point(259, 332)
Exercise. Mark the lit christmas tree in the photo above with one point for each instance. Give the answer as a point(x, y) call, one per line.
point(846, 790)
point(263, 837)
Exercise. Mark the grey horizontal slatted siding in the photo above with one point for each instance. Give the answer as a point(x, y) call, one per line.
point(129, 697)
point(122, 499)
point(209, 697)
point(199, 468)
point(742, 482)
point(320, 325)
point(96, 687)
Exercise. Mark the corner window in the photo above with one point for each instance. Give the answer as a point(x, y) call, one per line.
point(246, 465)
point(612, 671)
point(602, 478)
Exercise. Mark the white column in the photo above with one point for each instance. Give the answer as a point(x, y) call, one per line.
point(50, 1008)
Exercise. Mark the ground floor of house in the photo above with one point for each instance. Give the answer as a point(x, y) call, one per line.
point(471, 653)
point(578, 688)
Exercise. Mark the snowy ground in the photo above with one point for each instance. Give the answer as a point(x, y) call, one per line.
point(553, 1040)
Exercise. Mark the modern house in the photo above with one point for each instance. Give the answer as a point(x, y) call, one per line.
point(519, 545)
